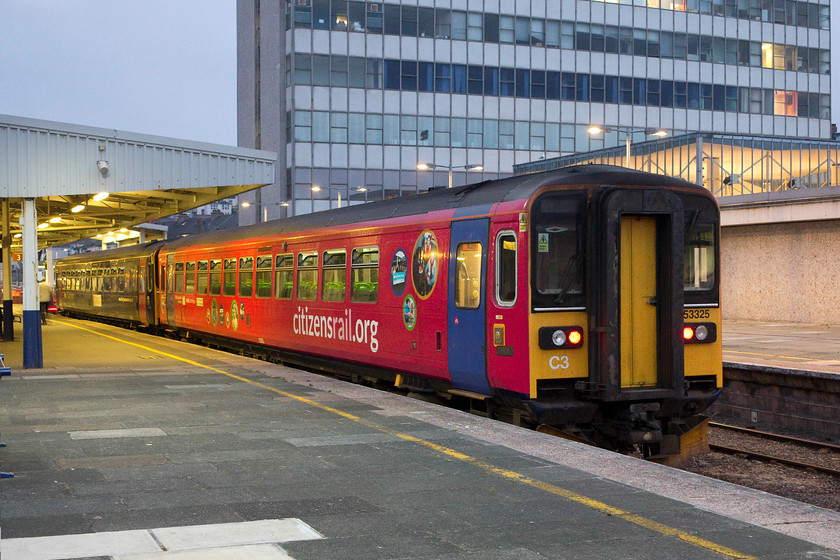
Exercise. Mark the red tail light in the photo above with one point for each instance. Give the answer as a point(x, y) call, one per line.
point(575, 337)
point(688, 333)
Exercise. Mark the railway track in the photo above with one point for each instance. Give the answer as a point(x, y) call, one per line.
point(819, 446)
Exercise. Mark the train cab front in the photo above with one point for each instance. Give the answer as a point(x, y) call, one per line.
point(625, 317)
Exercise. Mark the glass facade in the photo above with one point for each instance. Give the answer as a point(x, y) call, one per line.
point(352, 95)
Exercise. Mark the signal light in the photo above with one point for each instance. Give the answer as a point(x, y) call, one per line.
point(552, 338)
point(699, 333)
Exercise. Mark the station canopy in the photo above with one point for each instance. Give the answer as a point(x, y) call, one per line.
point(90, 181)
point(726, 165)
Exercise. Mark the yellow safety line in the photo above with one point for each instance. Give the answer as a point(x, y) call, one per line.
point(508, 474)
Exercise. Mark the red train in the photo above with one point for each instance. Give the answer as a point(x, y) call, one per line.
point(585, 298)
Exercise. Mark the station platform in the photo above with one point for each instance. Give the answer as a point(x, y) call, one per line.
point(131, 446)
point(783, 345)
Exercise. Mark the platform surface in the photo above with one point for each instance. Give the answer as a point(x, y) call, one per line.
point(126, 444)
point(783, 345)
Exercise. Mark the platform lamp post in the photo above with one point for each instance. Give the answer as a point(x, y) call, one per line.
point(423, 165)
point(628, 132)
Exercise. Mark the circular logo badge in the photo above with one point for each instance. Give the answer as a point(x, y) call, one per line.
point(409, 312)
point(424, 264)
point(399, 271)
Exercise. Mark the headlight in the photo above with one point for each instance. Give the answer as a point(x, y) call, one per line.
point(558, 338)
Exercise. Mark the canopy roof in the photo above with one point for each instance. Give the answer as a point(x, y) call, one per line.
point(64, 166)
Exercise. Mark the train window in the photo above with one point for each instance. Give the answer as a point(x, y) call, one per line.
point(700, 258)
point(284, 273)
point(189, 278)
point(307, 276)
point(216, 277)
point(335, 275)
point(468, 276)
point(557, 251)
point(246, 276)
point(364, 273)
point(201, 278)
point(121, 280)
point(264, 276)
point(179, 278)
point(506, 268)
point(229, 278)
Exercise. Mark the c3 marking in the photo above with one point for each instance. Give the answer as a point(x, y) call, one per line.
point(558, 362)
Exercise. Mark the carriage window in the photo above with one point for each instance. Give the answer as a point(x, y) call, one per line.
point(506, 268)
point(364, 274)
point(557, 251)
point(335, 275)
point(216, 277)
point(189, 278)
point(468, 276)
point(201, 278)
point(229, 278)
point(121, 279)
point(307, 276)
point(179, 278)
point(699, 264)
point(264, 276)
point(246, 276)
point(284, 273)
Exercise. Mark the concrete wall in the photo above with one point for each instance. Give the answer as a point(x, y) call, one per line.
point(787, 271)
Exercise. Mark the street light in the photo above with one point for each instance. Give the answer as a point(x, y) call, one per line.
point(422, 166)
point(628, 131)
point(316, 188)
point(362, 190)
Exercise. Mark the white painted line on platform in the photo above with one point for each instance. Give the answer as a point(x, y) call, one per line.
point(78, 546)
point(250, 540)
point(112, 434)
point(253, 552)
point(50, 377)
point(234, 534)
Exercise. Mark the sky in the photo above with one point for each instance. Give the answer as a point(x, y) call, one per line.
point(165, 67)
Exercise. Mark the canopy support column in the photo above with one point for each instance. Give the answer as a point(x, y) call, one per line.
point(33, 355)
point(8, 312)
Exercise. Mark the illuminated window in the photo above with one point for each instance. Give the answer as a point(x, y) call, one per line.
point(785, 103)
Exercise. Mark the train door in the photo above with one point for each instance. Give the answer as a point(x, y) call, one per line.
point(142, 302)
point(466, 305)
point(170, 289)
point(148, 289)
point(638, 312)
point(636, 294)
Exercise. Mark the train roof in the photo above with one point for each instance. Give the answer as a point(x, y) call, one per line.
point(474, 195)
point(132, 251)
